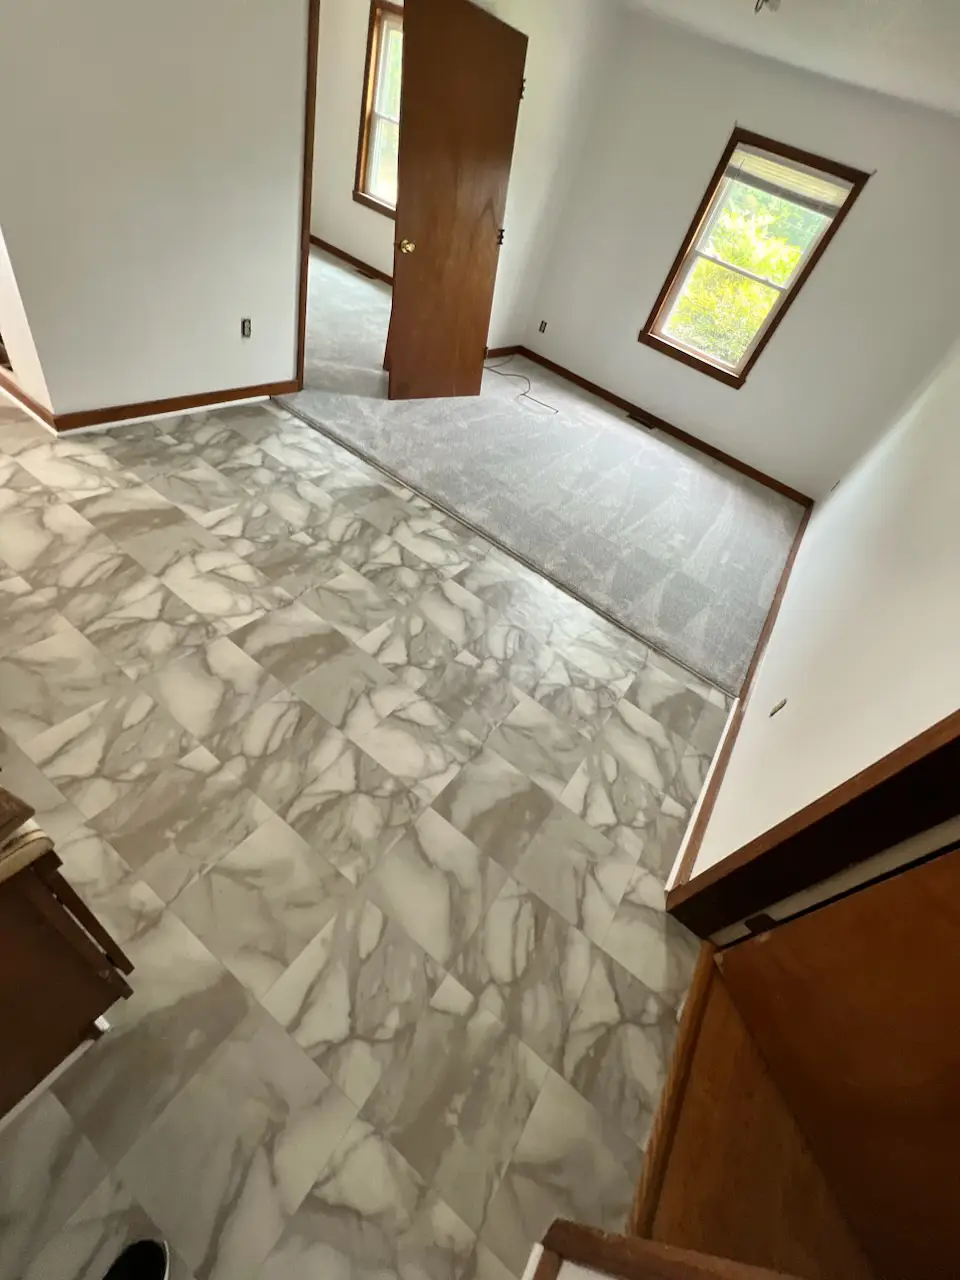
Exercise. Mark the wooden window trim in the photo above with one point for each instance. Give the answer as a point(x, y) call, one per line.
point(377, 10)
point(855, 177)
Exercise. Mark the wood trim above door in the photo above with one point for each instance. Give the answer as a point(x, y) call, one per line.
point(906, 792)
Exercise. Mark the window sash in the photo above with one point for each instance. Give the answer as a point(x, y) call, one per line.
point(695, 252)
point(388, 24)
point(374, 142)
point(376, 115)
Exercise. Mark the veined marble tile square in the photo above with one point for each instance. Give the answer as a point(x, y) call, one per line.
point(370, 1215)
point(353, 998)
point(420, 746)
point(187, 819)
point(214, 688)
point(437, 885)
point(231, 1159)
point(47, 682)
point(410, 647)
point(527, 966)
point(72, 468)
point(28, 616)
point(577, 871)
point(40, 542)
point(290, 642)
point(349, 602)
point(259, 905)
point(184, 1005)
point(113, 891)
point(437, 1103)
point(129, 511)
point(540, 745)
point(495, 805)
point(278, 749)
point(221, 586)
point(109, 751)
point(650, 944)
point(562, 1168)
point(353, 809)
point(197, 488)
point(615, 800)
point(619, 1046)
point(144, 626)
point(353, 691)
point(24, 778)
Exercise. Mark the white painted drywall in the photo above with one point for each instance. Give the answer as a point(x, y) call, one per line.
point(335, 216)
point(866, 648)
point(150, 191)
point(566, 38)
point(567, 43)
point(877, 314)
point(17, 337)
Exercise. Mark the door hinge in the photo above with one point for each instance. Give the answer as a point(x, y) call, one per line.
point(500, 236)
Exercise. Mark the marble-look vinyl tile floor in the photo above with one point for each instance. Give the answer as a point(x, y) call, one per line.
point(383, 820)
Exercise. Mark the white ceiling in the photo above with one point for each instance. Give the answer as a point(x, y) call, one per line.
point(910, 48)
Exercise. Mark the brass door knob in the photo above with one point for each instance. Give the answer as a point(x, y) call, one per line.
point(406, 246)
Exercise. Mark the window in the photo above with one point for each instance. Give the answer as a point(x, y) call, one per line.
point(376, 183)
point(766, 218)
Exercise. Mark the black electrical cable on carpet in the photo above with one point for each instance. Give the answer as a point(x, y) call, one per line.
point(524, 395)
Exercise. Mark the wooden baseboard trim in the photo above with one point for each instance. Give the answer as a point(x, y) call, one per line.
point(342, 254)
point(660, 424)
point(175, 404)
point(675, 896)
point(495, 353)
point(13, 389)
point(660, 1143)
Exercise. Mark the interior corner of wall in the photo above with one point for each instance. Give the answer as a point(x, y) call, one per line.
point(18, 335)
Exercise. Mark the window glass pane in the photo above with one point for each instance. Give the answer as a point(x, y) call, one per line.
point(382, 168)
point(391, 71)
point(763, 233)
point(718, 312)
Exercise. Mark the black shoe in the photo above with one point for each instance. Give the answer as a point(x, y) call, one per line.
point(145, 1260)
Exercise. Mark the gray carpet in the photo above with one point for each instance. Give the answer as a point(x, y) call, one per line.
point(677, 548)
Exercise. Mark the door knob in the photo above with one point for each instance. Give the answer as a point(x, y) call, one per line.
point(406, 246)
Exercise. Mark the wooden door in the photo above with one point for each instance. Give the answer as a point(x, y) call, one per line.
point(856, 1009)
point(462, 83)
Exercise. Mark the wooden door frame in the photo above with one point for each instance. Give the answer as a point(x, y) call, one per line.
point(306, 195)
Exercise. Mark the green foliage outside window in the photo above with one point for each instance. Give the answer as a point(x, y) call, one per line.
point(718, 311)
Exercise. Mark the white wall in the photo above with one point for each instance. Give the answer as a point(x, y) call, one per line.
point(877, 314)
point(866, 648)
point(335, 216)
point(17, 337)
point(565, 42)
point(568, 41)
point(150, 191)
